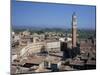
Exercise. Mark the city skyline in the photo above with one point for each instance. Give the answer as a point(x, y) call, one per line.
point(51, 15)
point(39, 46)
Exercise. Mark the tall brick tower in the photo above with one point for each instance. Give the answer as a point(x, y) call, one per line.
point(74, 30)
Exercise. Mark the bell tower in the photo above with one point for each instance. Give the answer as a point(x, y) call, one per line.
point(74, 30)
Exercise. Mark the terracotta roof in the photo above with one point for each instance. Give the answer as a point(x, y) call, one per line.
point(35, 59)
point(77, 62)
point(91, 62)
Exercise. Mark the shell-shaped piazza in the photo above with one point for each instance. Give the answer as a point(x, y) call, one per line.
point(31, 48)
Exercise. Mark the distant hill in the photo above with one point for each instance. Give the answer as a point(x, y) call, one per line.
point(83, 33)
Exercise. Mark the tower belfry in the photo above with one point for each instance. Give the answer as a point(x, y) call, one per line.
point(74, 30)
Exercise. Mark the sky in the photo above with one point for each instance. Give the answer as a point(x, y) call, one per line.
point(52, 15)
